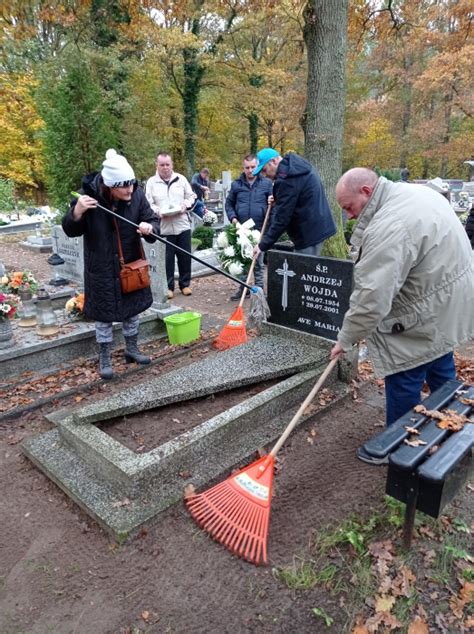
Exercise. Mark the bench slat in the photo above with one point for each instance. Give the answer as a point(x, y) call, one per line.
point(385, 442)
point(437, 467)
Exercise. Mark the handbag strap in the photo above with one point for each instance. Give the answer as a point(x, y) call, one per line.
point(121, 259)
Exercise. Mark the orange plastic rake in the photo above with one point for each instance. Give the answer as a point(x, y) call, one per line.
point(234, 332)
point(236, 512)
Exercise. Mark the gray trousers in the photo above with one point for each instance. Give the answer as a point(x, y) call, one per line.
point(314, 250)
point(258, 272)
point(103, 330)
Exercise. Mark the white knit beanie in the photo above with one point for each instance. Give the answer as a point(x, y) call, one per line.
point(116, 171)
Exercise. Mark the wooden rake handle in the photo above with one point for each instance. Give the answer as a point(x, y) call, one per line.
point(254, 261)
point(302, 407)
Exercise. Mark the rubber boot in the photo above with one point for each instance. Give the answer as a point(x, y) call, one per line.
point(132, 353)
point(105, 366)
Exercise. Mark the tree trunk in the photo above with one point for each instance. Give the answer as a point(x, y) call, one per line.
point(325, 35)
point(448, 108)
point(193, 73)
point(253, 132)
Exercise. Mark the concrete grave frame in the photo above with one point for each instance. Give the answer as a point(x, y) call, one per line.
point(122, 490)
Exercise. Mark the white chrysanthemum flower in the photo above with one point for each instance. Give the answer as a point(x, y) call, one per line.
point(229, 251)
point(247, 251)
point(236, 268)
point(256, 236)
point(222, 240)
point(6, 308)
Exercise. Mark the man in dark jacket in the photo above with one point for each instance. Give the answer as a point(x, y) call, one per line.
point(115, 188)
point(470, 227)
point(301, 207)
point(248, 199)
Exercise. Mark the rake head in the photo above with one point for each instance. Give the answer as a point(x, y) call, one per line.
point(233, 333)
point(236, 512)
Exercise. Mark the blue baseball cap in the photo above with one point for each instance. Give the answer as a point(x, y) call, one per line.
point(265, 155)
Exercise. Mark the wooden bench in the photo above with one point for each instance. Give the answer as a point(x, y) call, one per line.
point(428, 476)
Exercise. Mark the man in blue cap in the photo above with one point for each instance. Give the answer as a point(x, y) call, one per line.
point(300, 205)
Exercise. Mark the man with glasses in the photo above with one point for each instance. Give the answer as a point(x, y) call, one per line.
point(248, 199)
point(300, 208)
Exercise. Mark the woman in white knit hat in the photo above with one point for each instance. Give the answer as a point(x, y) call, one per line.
point(114, 187)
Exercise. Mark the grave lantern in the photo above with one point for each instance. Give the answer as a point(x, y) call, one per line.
point(56, 261)
point(46, 321)
point(27, 309)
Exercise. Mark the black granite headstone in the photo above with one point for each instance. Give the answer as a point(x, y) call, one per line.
point(309, 293)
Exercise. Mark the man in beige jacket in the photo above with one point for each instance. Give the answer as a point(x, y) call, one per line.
point(171, 197)
point(413, 296)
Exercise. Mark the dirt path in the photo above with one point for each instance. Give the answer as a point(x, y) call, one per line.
point(60, 573)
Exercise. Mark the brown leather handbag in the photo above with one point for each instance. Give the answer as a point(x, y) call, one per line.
point(134, 275)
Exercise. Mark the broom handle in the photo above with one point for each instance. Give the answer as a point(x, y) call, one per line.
point(299, 413)
point(210, 266)
point(254, 261)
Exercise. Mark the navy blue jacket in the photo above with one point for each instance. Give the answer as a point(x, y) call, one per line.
point(104, 300)
point(470, 227)
point(301, 207)
point(246, 201)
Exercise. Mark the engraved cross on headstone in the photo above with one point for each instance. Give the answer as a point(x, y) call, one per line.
point(55, 238)
point(284, 291)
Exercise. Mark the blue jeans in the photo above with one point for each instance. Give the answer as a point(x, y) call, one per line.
point(402, 389)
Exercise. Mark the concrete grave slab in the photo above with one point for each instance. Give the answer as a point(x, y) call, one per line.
point(124, 490)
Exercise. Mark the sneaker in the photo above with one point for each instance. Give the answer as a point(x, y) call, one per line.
point(170, 294)
point(186, 291)
point(363, 455)
point(236, 296)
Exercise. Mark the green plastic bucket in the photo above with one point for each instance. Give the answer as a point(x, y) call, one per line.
point(183, 327)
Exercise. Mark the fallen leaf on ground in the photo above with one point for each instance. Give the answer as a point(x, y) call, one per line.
point(359, 627)
point(404, 582)
point(118, 503)
point(189, 491)
point(382, 618)
point(418, 626)
point(384, 604)
point(425, 530)
point(411, 430)
point(466, 593)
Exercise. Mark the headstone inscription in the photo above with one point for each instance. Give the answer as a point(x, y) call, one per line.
point(71, 251)
point(155, 255)
point(309, 293)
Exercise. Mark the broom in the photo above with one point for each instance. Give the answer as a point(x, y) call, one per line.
point(234, 332)
point(258, 304)
point(236, 512)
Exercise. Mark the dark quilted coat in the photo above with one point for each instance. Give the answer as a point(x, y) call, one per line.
point(104, 300)
point(246, 201)
point(301, 207)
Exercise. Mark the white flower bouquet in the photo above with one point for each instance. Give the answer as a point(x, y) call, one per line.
point(235, 247)
point(209, 218)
